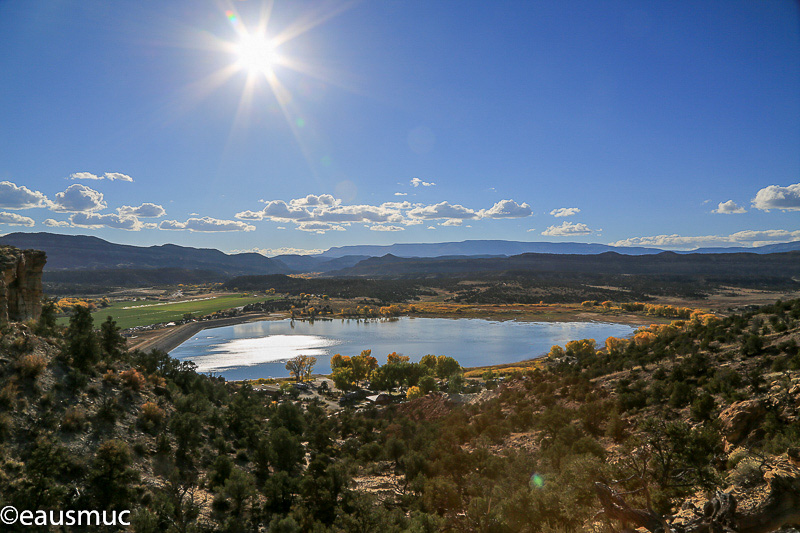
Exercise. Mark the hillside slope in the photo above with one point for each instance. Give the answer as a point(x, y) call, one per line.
point(644, 430)
point(82, 252)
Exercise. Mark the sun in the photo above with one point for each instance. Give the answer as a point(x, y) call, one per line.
point(256, 54)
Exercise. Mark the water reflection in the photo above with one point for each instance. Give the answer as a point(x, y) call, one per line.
point(259, 349)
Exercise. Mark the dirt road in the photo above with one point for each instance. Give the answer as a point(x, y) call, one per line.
point(167, 339)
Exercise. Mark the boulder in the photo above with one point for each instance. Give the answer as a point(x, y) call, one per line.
point(738, 420)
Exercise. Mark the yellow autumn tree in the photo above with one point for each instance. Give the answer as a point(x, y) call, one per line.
point(394, 357)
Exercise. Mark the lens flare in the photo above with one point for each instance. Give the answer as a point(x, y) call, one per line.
point(256, 53)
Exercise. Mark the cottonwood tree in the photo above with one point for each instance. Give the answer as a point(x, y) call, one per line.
point(301, 366)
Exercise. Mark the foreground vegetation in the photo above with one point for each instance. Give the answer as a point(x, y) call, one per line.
point(663, 419)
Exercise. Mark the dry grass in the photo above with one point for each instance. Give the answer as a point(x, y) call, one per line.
point(31, 366)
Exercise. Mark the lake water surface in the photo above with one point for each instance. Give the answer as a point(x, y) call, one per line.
point(260, 349)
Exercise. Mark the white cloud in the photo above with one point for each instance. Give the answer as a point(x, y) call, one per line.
point(272, 252)
point(85, 176)
point(431, 227)
point(452, 222)
point(206, 225)
point(78, 199)
point(416, 182)
point(405, 204)
point(95, 220)
point(313, 200)
point(117, 176)
point(146, 210)
point(729, 208)
point(52, 223)
point(740, 238)
point(111, 176)
point(565, 211)
point(276, 210)
point(330, 215)
point(20, 197)
point(777, 197)
point(319, 227)
point(567, 229)
point(357, 213)
point(442, 210)
point(401, 194)
point(14, 219)
point(247, 215)
point(506, 209)
point(530, 230)
point(765, 235)
point(386, 228)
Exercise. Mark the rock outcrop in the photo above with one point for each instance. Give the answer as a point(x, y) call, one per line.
point(737, 420)
point(20, 284)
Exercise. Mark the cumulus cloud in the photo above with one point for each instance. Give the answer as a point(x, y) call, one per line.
point(506, 209)
point(357, 213)
point(729, 208)
point(314, 200)
point(565, 211)
point(740, 238)
point(452, 222)
point(85, 176)
point(95, 220)
point(14, 219)
point(20, 197)
point(530, 230)
point(78, 199)
point(442, 210)
point(416, 182)
point(319, 227)
point(386, 228)
point(248, 215)
point(52, 223)
point(146, 210)
point(276, 210)
point(567, 229)
point(331, 215)
point(111, 176)
point(117, 176)
point(206, 225)
point(777, 197)
point(401, 194)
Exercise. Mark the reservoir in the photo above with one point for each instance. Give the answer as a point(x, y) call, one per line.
point(260, 349)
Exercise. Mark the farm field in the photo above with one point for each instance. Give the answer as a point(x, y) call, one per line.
point(129, 314)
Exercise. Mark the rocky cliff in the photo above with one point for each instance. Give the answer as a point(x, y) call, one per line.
point(20, 284)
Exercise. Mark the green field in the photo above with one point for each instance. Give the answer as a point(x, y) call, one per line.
point(145, 312)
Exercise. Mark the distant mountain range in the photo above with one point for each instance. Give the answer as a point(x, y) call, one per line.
point(489, 248)
point(486, 248)
point(778, 265)
point(81, 253)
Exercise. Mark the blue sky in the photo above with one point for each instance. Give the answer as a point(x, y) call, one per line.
point(671, 124)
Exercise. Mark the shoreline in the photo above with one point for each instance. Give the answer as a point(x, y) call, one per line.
point(167, 339)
